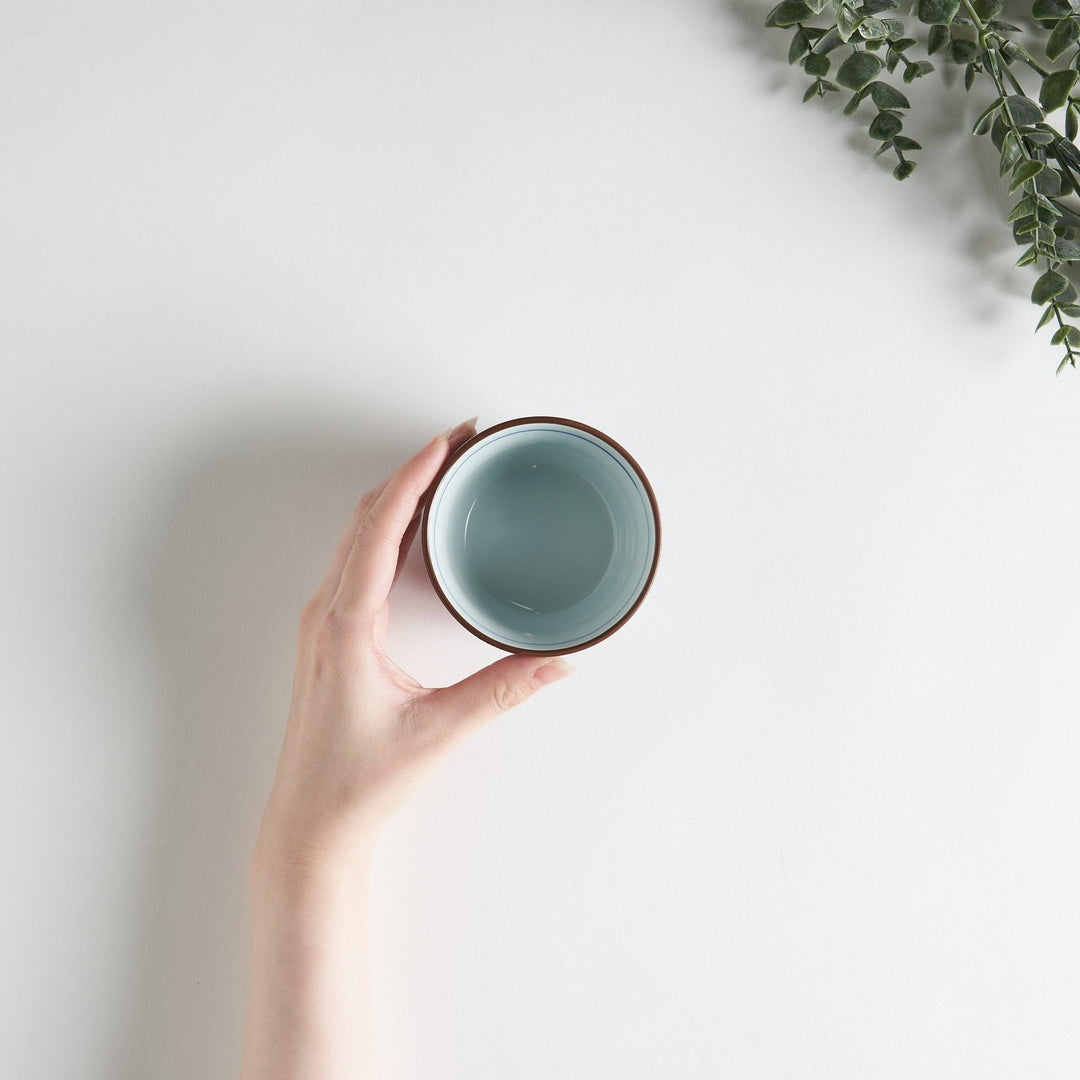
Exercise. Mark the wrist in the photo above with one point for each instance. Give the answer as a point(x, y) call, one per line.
point(294, 861)
point(288, 872)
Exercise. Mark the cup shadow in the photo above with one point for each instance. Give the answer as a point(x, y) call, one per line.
point(242, 529)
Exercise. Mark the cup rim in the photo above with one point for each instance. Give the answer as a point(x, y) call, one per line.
point(518, 422)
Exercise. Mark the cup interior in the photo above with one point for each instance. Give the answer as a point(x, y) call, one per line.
point(541, 536)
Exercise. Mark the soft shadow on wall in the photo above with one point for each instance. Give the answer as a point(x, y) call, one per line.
point(243, 531)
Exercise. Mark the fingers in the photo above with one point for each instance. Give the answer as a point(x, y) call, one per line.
point(333, 575)
point(406, 543)
point(491, 691)
point(461, 434)
point(371, 561)
point(329, 585)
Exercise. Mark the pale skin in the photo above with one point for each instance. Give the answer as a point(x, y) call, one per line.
point(361, 736)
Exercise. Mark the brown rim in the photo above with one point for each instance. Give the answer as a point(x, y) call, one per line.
point(516, 423)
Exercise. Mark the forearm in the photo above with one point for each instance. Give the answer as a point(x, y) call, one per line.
point(309, 1002)
point(361, 735)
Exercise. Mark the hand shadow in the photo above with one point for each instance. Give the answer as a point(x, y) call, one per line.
point(955, 200)
point(243, 530)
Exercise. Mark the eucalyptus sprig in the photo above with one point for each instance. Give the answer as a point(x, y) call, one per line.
point(1042, 163)
point(863, 30)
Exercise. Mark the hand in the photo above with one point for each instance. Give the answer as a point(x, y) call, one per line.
point(362, 732)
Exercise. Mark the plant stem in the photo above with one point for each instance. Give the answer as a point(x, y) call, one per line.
point(1026, 58)
point(987, 39)
point(1070, 355)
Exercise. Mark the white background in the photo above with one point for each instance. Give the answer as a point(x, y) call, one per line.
point(813, 812)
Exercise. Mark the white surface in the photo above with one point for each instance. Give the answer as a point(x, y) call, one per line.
point(812, 813)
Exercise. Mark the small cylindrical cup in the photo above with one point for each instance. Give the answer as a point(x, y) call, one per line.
point(541, 535)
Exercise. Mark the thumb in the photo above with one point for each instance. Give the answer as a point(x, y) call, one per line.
point(495, 689)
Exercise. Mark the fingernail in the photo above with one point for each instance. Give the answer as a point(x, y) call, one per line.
point(465, 424)
point(552, 671)
point(451, 431)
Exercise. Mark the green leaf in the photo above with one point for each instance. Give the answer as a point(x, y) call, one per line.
point(1024, 208)
point(986, 117)
point(1040, 137)
point(887, 97)
point(788, 13)
point(799, 44)
point(876, 7)
point(1066, 333)
point(1048, 182)
point(1068, 217)
point(1067, 153)
point(999, 131)
point(902, 142)
point(1066, 359)
point(1047, 209)
point(937, 39)
point(815, 6)
point(826, 85)
point(937, 11)
point(904, 169)
point(1055, 89)
point(1047, 315)
point(873, 29)
point(811, 90)
point(1051, 284)
point(858, 70)
point(1027, 226)
point(1029, 256)
point(1023, 110)
point(885, 125)
point(969, 76)
point(1067, 250)
point(854, 101)
point(917, 70)
point(830, 41)
point(962, 51)
point(883, 148)
point(846, 23)
point(817, 64)
point(1050, 9)
point(1069, 296)
point(894, 27)
point(1024, 172)
point(1011, 152)
point(1071, 123)
point(988, 9)
point(1061, 37)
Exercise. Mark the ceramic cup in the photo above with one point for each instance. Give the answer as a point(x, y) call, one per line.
point(541, 535)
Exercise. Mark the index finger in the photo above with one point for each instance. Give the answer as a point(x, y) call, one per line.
point(329, 585)
point(372, 560)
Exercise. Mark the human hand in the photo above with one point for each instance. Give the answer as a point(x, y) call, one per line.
point(362, 733)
